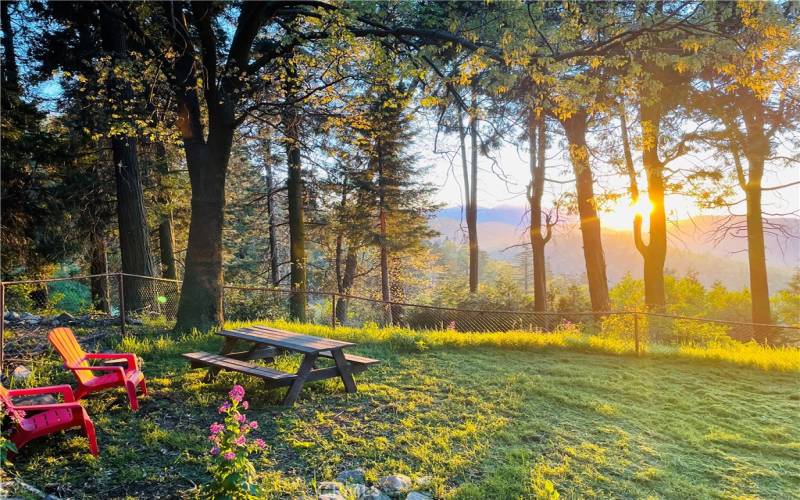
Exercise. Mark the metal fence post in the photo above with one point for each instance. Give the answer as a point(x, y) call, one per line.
point(121, 290)
point(333, 310)
point(636, 331)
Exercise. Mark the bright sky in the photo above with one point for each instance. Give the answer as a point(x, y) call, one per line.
point(494, 191)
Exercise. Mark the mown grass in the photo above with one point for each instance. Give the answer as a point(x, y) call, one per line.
point(483, 415)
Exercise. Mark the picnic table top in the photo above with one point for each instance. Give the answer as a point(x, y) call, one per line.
point(284, 339)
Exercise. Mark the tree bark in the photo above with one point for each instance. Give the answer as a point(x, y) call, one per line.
point(10, 70)
point(133, 231)
point(274, 266)
point(297, 234)
point(346, 284)
point(537, 138)
point(99, 265)
point(386, 291)
point(166, 244)
point(472, 206)
point(654, 252)
point(166, 236)
point(756, 149)
point(575, 129)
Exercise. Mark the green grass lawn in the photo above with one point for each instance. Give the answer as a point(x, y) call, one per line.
point(481, 421)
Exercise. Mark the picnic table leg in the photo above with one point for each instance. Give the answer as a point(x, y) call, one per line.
point(302, 374)
point(227, 348)
point(344, 370)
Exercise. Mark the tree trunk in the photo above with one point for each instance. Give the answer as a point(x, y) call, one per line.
point(166, 244)
point(386, 291)
point(201, 302)
point(575, 129)
point(274, 266)
point(654, 252)
point(345, 284)
point(537, 138)
point(756, 149)
point(297, 233)
point(133, 231)
point(10, 94)
point(470, 191)
point(757, 259)
point(99, 265)
point(166, 237)
point(472, 206)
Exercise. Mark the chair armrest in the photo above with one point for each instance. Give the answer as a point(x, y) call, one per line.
point(129, 357)
point(117, 369)
point(55, 406)
point(64, 390)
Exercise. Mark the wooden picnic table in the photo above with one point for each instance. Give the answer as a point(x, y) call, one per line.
point(266, 343)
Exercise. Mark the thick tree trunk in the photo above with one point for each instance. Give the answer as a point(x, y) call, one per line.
point(654, 253)
point(133, 231)
point(757, 259)
point(575, 129)
point(201, 302)
point(297, 233)
point(99, 265)
point(537, 138)
point(756, 150)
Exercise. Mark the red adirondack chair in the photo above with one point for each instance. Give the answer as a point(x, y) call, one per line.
point(41, 420)
point(77, 360)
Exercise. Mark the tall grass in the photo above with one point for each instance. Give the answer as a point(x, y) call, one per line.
point(569, 337)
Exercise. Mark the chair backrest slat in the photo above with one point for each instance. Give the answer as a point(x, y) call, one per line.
point(71, 352)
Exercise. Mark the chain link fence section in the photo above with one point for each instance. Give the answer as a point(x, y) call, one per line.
point(32, 307)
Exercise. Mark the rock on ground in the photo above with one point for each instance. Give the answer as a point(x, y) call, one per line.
point(351, 476)
point(395, 485)
point(416, 495)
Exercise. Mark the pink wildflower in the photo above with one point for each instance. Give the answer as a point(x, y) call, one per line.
point(237, 393)
point(260, 443)
point(229, 456)
point(216, 428)
point(254, 425)
point(225, 407)
point(214, 451)
point(240, 441)
point(241, 418)
point(245, 405)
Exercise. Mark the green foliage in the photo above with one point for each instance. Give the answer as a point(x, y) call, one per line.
point(234, 476)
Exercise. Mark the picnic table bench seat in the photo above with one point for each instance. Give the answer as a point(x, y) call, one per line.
point(272, 376)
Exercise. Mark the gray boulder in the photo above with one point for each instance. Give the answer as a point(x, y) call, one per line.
point(395, 486)
point(351, 476)
point(330, 488)
point(65, 318)
point(371, 493)
point(416, 495)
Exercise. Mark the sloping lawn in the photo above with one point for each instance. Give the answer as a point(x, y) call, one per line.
point(481, 421)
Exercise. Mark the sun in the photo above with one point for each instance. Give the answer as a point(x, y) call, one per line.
point(620, 217)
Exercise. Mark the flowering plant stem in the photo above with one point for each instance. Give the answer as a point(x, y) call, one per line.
point(234, 475)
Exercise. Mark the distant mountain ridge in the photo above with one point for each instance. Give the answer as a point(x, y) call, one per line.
point(693, 247)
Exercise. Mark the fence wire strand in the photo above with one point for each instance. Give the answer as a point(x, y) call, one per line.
point(105, 300)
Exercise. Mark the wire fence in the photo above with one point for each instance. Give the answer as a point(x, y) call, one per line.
point(98, 303)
